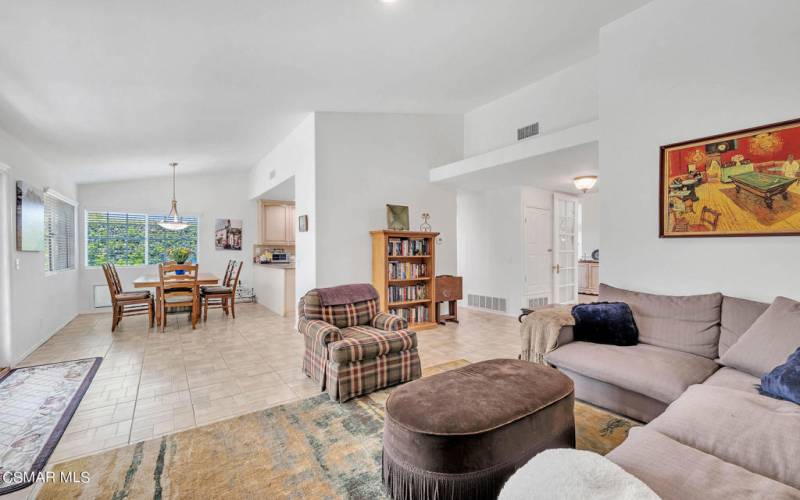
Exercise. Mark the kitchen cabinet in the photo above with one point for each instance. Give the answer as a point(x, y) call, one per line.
point(277, 222)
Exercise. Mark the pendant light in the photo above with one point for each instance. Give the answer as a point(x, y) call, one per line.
point(172, 222)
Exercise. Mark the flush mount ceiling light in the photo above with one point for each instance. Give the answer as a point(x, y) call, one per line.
point(172, 222)
point(585, 182)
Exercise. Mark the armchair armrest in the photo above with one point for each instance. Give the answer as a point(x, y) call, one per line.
point(388, 322)
point(322, 332)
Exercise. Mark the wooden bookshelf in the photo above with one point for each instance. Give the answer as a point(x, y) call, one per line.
point(382, 280)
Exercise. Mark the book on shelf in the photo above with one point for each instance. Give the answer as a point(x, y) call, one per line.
point(406, 247)
point(419, 314)
point(407, 270)
point(407, 293)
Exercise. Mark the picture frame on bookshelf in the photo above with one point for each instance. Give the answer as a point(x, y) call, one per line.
point(397, 217)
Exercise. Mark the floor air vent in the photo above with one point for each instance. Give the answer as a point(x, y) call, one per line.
point(486, 302)
point(538, 302)
point(528, 131)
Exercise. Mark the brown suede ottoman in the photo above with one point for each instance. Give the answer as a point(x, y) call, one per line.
point(462, 433)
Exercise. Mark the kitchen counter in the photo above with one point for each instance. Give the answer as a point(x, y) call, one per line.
point(274, 287)
point(278, 265)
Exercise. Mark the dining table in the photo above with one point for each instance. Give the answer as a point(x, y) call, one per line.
point(154, 281)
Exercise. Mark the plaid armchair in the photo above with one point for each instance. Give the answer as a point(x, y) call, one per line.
point(353, 349)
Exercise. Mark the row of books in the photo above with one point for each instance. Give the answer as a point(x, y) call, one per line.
point(417, 314)
point(407, 270)
point(407, 293)
point(408, 246)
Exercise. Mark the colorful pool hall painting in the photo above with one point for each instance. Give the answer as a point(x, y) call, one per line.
point(744, 183)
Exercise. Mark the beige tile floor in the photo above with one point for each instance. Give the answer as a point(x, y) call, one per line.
point(153, 383)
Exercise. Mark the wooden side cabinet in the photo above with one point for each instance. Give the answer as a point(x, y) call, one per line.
point(448, 289)
point(589, 277)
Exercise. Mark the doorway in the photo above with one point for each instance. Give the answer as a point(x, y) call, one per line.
point(538, 227)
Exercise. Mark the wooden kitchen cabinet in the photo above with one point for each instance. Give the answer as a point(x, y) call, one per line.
point(277, 222)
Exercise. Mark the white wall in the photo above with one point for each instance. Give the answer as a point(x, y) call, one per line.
point(295, 157)
point(561, 100)
point(591, 220)
point(206, 196)
point(675, 70)
point(365, 161)
point(491, 251)
point(40, 304)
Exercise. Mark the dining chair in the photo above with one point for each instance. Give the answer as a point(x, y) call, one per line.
point(179, 290)
point(222, 296)
point(126, 303)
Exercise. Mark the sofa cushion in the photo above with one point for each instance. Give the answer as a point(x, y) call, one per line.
point(366, 342)
point(783, 382)
point(737, 316)
point(733, 379)
point(684, 323)
point(605, 323)
point(662, 374)
point(676, 471)
point(769, 341)
point(749, 430)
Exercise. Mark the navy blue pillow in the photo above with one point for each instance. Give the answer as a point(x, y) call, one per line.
point(605, 323)
point(783, 382)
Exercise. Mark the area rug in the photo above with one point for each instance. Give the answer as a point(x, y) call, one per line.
point(312, 448)
point(36, 404)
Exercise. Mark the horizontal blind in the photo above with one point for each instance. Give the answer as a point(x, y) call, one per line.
point(59, 227)
point(115, 237)
point(160, 241)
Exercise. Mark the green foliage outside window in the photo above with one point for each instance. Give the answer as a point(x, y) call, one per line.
point(133, 239)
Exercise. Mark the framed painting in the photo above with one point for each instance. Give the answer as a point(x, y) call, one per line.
point(397, 217)
point(744, 183)
point(30, 218)
point(228, 234)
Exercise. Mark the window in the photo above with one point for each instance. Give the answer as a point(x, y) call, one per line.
point(133, 239)
point(59, 233)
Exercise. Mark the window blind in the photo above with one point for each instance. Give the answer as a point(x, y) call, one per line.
point(130, 239)
point(59, 234)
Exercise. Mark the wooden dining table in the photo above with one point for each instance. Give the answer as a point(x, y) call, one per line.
point(153, 281)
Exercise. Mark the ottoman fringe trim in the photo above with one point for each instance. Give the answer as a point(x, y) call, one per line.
point(408, 482)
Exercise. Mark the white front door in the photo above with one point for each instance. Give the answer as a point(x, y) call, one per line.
point(538, 253)
point(565, 254)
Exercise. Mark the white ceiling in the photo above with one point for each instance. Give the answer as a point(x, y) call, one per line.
point(113, 90)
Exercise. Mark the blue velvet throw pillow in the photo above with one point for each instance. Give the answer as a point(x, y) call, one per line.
point(605, 323)
point(783, 382)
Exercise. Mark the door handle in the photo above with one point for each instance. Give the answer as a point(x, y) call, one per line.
point(557, 268)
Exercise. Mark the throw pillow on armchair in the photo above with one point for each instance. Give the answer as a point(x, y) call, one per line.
point(605, 323)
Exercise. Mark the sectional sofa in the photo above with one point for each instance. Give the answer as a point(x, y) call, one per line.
point(710, 433)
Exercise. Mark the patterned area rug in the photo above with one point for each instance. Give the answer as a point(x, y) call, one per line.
point(308, 449)
point(36, 404)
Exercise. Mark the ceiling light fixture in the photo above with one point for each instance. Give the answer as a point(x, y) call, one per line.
point(585, 182)
point(172, 222)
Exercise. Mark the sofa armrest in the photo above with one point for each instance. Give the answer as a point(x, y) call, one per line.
point(322, 332)
point(388, 322)
point(565, 336)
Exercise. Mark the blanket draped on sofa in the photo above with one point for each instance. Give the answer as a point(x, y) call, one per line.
point(540, 329)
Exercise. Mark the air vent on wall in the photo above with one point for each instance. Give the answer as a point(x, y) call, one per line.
point(486, 302)
point(528, 131)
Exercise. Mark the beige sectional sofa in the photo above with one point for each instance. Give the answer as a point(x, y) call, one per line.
point(710, 433)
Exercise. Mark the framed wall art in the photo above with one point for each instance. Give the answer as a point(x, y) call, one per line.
point(228, 234)
point(744, 183)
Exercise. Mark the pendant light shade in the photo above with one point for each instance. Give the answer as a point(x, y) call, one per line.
point(173, 222)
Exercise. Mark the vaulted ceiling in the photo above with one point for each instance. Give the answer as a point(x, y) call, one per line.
point(117, 89)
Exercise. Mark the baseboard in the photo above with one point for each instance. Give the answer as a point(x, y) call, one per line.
point(15, 362)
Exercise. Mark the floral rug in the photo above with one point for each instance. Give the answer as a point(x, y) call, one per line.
point(36, 404)
point(312, 448)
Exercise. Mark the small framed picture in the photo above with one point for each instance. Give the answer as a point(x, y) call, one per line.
point(302, 223)
point(397, 217)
